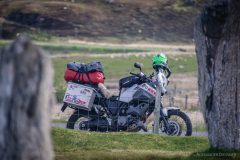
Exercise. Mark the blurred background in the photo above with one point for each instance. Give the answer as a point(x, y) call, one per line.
point(114, 21)
point(117, 33)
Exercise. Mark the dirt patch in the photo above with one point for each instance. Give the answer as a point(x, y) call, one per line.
point(135, 45)
point(118, 54)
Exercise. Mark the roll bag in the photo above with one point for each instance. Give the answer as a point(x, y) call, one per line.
point(93, 69)
point(74, 65)
point(95, 77)
point(90, 67)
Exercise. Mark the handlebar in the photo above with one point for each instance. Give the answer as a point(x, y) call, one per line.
point(142, 77)
point(134, 74)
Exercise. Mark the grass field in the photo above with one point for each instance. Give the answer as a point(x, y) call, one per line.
point(95, 49)
point(72, 144)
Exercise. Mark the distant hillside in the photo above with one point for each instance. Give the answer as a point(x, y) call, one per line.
point(121, 21)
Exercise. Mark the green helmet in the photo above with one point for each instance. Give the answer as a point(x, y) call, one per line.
point(159, 59)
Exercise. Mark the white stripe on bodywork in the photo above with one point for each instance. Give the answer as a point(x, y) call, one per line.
point(127, 95)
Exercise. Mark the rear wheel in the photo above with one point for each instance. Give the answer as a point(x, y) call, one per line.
point(72, 120)
point(78, 117)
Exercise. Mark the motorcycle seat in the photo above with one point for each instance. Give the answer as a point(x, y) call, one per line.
point(114, 98)
point(108, 94)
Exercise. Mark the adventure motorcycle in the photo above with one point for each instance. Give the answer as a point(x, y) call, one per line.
point(130, 110)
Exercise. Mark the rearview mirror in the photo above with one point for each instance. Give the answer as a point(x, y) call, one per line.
point(138, 65)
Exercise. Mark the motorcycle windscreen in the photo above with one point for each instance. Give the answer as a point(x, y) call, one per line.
point(143, 96)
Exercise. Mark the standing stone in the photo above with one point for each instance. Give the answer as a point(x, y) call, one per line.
point(26, 80)
point(217, 39)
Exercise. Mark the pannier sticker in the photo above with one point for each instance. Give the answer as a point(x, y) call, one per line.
point(87, 90)
point(74, 99)
point(83, 92)
point(136, 88)
point(71, 87)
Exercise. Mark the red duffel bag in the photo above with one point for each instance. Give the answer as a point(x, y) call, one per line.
point(95, 77)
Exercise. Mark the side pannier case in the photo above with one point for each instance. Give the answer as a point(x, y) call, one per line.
point(79, 96)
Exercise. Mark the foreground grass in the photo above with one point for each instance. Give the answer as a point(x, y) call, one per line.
point(72, 144)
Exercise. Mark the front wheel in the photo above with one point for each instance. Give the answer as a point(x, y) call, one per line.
point(179, 124)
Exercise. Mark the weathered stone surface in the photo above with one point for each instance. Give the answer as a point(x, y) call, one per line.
point(217, 39)
point(25, 100)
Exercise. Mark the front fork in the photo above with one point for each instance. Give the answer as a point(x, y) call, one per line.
point(164, 120)
point(163, 117)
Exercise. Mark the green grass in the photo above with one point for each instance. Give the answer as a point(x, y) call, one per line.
point(199, 128)
point(88, 49)
point(96, 49)
point(59, 121)
point(92, 49)
point(3, 45)
point(72, 144)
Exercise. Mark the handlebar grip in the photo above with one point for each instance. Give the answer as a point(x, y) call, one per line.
point(133, 73)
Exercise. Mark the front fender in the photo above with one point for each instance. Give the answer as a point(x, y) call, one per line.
point(165, 110)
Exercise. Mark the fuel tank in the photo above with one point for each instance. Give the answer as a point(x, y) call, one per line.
point(142, 93)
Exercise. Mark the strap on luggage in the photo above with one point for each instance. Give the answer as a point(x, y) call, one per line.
point(82, 70)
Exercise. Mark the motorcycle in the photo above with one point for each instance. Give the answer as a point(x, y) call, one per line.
point(129, 111)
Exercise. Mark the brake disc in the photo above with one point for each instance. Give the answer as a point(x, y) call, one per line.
point(174, 127)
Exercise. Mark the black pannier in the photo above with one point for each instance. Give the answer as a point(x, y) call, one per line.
point(128, 81)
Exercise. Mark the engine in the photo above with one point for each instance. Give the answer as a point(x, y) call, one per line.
point(132, 124)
